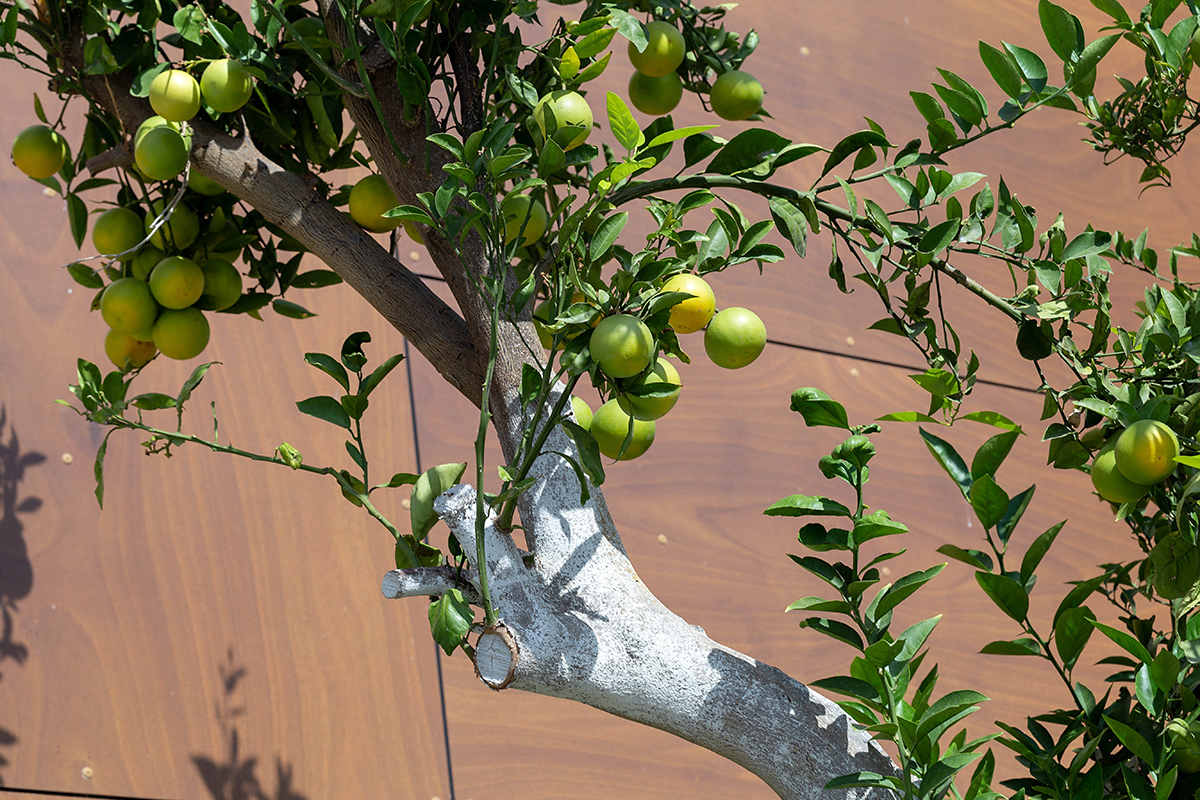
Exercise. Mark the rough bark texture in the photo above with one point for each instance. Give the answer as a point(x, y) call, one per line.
point(585, 626)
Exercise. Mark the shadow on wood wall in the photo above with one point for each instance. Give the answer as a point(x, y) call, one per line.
point(235, 778)
point(16, 571)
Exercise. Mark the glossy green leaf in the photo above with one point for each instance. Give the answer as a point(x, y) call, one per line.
point(1008, 595)
point(818, 409)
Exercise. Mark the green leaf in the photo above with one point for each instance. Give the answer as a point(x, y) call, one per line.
point(450, 618)
point(1060, 28)
point(1090, 58)
point(432, 483)
point(747, 150)
point(1125, 642)
point(1087, 243)
point(594, 43)
point(77, 216)
point(1113, 8)
point(991, 454)
point(98, 467)
point(1016, 647)
point(1003, 68)
point(399, 479)
point(623, 125)
point(1030, 64)
point(326, 408)
point(1071, 633)
point(946, 707)
point(852, 144)
point(678, 133)
point(1131, 739)
point(851, 687)
point(352, 353)
point(800, 505)
point(950, 460)
point(789, 218)
point(939, 237)
point(152, 401)
point(1037, 550)
point(371, 381)
point(834, 630)
point(1014, 512)
point(606, 236)
point(818, 409)
point(875, 525)
point(85, 276)
point(975, 558)
point(890, 597)
point(189, 386)
point(287, 308)
point(1008, 595)
point(820, 604)
point(330, 367)
point(992, 418)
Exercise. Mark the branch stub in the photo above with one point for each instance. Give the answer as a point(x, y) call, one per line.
point(496, 657)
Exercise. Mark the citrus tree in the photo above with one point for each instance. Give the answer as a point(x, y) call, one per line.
point(218, 139)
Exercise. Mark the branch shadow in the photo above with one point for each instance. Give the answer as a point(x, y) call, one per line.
point(235, 777)
point(16, 571)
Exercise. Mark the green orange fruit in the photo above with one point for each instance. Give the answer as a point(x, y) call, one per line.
point(622, 345)
point(124, 350)
point(176, 282)
point(736, 95)
point(369, 199)
point(179, 231)
point(117, 230)
point(735, 338)
point(655, 96)
point(664, 50)
point(161, 153)
point(175, 95)
point(1146, 450)
point(564, 116)
point(525, 217)
point(692, 314)
point(583, 412)
point(226, 85)
point(655, 406)
point(1108, 480)
point(127, 305)
point(222, 285)
point(615, 421)
point(39, 152)
point(181, 334)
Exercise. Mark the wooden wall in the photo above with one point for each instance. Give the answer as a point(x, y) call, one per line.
point(221, 618)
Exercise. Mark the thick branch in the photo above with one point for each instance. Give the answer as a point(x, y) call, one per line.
point(427, 582)
point(288, 201)
point(421, 171)
point(589, 630)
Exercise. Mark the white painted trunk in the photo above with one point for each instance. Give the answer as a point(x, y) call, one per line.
point(584, 627)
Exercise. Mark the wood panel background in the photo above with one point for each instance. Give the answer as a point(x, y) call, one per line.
point(223, 618)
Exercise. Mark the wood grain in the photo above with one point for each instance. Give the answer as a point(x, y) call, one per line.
point(123, 626)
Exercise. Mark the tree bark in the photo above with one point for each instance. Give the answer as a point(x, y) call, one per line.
point(584, 627)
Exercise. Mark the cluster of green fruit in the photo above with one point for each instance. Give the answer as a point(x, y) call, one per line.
point(155, 302)
point(656, 88)
point(623, 347)
point(1131, 462)
point(161, 144)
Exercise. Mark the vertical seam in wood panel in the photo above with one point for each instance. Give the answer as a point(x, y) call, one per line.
point(437, 651)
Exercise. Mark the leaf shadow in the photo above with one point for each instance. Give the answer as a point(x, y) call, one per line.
point(235, 776)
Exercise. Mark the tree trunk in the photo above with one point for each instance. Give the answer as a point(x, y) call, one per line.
point(576, 622)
